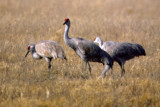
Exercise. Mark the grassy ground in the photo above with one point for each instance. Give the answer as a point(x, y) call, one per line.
point(24, 81)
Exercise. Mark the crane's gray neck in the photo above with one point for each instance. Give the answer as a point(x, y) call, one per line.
point(33, 51)
point(66, 37)
point(100, 42)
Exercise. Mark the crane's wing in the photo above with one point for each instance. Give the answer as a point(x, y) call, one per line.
point(91, 52)
point(59, 51)
point(109, 46)
point(46, 49)
point(88, 48)
point(128, 50)
point(50, 49)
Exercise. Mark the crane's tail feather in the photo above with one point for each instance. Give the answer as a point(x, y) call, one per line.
point(140, 50)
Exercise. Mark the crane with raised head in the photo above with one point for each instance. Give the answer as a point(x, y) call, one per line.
point(87, 50)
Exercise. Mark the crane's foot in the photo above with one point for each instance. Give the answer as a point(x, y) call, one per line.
point(48, 74)
point(122, 75)
point(111, 71)
point(101, 77)
point(123, 72)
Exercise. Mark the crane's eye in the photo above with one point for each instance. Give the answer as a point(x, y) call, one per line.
point(29, 47)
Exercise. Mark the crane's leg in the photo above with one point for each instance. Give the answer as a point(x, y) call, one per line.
point(85, 66)
point(111, 70)
point(49, 68)
point(122, 68)
point(103, 74)
point(49, 65)
point(89, 67)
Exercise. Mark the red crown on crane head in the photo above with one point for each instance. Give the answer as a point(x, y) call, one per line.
point(29, 47)
point(66, 19)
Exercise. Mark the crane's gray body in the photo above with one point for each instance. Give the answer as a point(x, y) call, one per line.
point(121, 52)
point(50, 49)
point(87, 50)
point(46, 49)
point(126, 51)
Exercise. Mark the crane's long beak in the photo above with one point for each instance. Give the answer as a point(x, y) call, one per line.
point(64, 23)
point(27, 53)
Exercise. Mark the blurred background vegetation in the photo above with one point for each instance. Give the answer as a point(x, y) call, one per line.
point(24, 81)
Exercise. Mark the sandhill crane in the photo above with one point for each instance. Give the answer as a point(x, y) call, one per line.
point(87, 50)
point(121, 52)
point(46, 49)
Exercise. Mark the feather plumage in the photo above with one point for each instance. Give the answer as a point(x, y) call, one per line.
point(121, 52)
point(87, 50)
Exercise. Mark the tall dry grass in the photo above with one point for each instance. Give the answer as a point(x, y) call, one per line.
point(24, 81)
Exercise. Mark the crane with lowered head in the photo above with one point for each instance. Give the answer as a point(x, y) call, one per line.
point(121, 52)
point(48, 50)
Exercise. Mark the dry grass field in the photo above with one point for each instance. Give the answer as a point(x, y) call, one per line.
point(24, 81)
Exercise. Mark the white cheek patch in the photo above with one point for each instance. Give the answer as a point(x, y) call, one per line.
point(36, 56)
